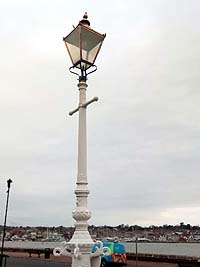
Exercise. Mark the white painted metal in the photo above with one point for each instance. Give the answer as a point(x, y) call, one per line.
point(80, 246)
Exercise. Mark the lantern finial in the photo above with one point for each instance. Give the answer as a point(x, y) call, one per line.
point(85, 20)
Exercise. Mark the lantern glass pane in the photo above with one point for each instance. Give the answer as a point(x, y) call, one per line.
point(91, 42)
point(83, 45)
point(72, 42)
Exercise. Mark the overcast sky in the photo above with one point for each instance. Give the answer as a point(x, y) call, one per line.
point(143, 133)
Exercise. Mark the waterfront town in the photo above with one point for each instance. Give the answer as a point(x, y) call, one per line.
point(122, 233)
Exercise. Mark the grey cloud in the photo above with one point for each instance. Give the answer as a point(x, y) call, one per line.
point(143, 134)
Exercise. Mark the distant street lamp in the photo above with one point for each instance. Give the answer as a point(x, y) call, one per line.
point(9, 181)
point(83, 45)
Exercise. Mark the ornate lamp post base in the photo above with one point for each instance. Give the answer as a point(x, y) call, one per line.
point(81, 254)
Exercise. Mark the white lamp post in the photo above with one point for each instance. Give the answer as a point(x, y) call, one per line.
point(83, 45)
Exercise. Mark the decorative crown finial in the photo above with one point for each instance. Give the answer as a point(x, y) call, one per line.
point(85, 20)
point(85, 16)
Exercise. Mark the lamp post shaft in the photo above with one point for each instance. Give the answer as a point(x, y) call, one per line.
point(82, 135)
point(81, 238)
point(81, 244)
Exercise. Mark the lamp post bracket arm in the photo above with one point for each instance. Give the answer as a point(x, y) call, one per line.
point(83, 105)
point(73, 111)
point(89, 102)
